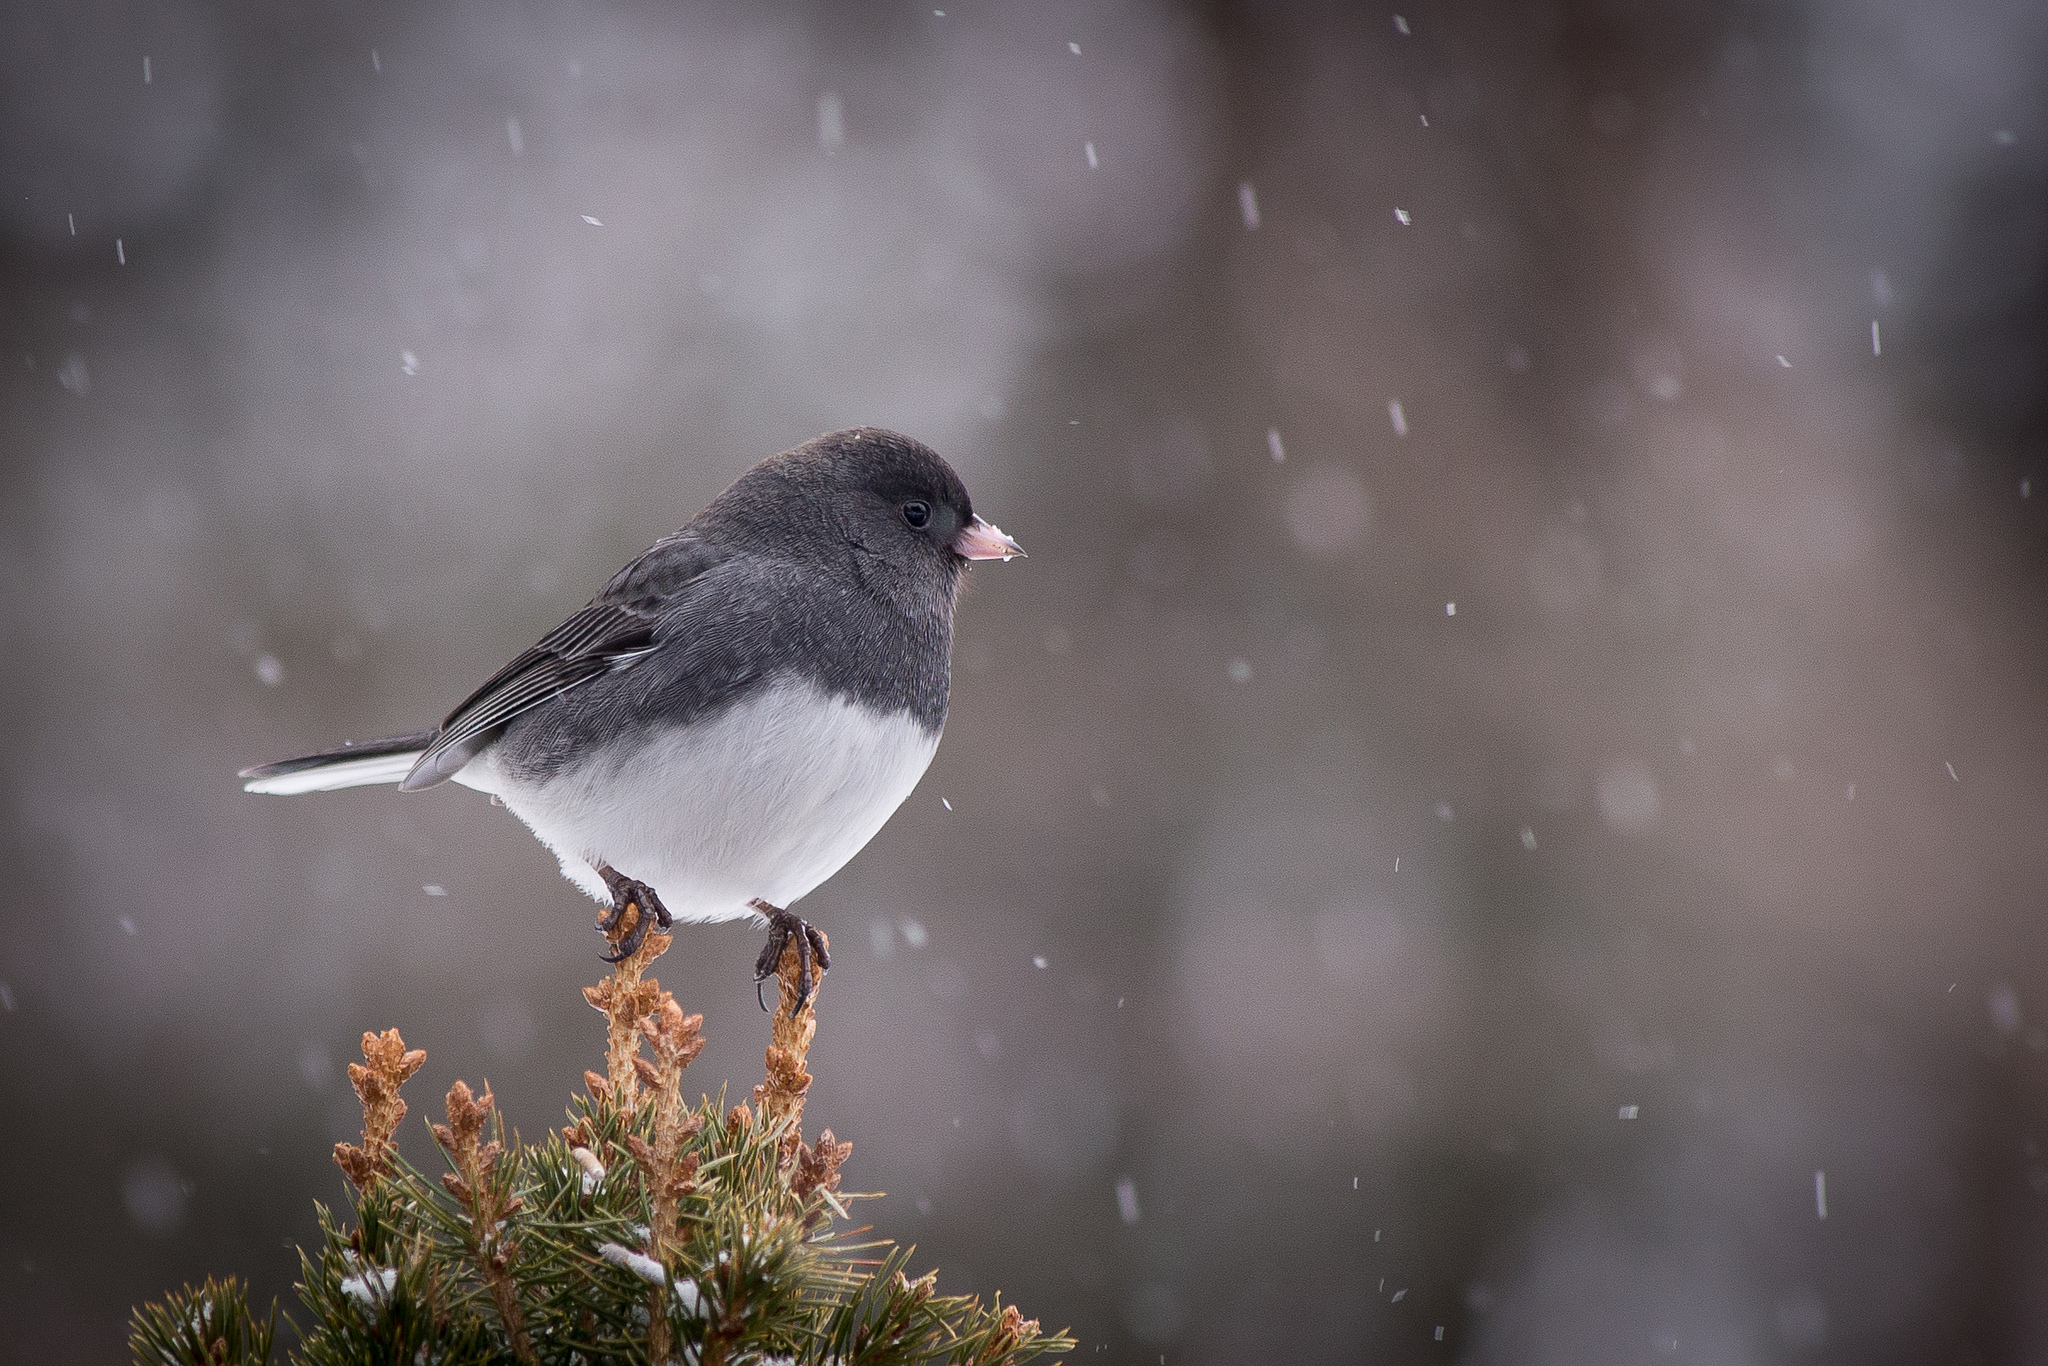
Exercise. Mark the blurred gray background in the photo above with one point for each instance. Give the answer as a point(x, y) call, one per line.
point(1511, 784)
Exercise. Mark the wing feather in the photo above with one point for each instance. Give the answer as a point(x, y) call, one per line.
point(618, 628)
point(599, 638)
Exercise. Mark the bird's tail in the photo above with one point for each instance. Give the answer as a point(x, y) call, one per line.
point(358, 763)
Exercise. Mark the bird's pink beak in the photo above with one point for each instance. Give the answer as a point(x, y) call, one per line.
point(980, 541)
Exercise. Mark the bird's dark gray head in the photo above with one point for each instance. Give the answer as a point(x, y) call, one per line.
point(886, 499)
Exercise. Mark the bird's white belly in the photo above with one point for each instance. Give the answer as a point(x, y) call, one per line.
point(767, 799)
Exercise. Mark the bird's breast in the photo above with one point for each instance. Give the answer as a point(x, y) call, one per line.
point(766, 797)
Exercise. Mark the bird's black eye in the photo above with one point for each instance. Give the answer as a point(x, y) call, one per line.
point(917, 512)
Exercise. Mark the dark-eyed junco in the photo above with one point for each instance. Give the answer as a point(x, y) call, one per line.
point(740, 709)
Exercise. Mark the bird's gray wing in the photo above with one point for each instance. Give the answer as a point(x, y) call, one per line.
point(611, 633)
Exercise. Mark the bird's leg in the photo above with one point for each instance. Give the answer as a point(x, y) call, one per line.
point(810, 946)
point(645, 903)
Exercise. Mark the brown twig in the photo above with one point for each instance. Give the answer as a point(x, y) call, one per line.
point(386, 1066)
point(1012, 1328)
point(805, 1169)
point(626, 1000)
point(781, 1095)
point(668, 1172)
point(817, 1169)
point(676, 1039)
point(476, 1182)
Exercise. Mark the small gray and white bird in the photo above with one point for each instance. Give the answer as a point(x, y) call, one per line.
point(739, 711)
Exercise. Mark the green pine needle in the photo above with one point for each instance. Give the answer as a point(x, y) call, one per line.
point(210, 1326)
point(753, 1273)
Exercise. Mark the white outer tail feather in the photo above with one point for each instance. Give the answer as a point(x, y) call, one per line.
point(363, 772)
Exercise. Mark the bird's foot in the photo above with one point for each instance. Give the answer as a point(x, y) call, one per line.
point(784, 926)
point(626, 890)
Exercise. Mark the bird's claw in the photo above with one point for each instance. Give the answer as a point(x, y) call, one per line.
point(645, 904)
point(782, 927)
